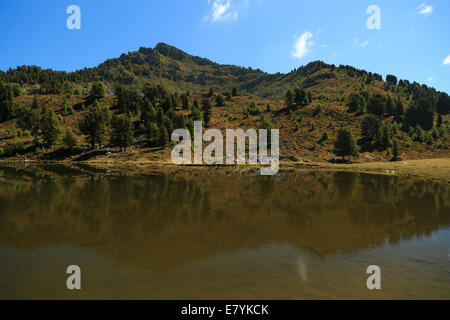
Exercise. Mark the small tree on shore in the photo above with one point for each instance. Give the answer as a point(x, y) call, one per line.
point(345, 144)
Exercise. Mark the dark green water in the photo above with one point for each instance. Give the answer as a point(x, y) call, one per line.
point(216, 234)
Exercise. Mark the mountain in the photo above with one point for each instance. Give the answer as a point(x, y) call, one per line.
point(174, 68)
point(166, 87)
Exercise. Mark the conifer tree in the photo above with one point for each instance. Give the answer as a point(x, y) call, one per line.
point(163, 136)
point(93, 124)
point(344, 144)
point(50, 127)
point(69, 140)
point(122, 132)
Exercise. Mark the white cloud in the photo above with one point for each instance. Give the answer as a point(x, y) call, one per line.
point(430, 79)
point(225, 10)
point(424, 9)
point(363, 44)
point(302, 45)
point(447, 60)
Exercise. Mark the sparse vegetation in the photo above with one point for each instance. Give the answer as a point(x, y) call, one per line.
point(383, 116)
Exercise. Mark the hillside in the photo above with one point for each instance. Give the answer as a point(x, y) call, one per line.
point(176, 69)
point(166, 87)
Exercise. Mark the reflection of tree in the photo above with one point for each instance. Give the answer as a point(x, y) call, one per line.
point(267, 189)
point(180, 217)
point(346, 183)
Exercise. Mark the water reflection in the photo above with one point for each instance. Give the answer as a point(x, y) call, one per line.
point(163, 222)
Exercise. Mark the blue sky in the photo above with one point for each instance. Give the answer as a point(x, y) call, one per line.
point(272, 35)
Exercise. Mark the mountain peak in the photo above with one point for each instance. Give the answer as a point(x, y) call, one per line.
point(170, 51)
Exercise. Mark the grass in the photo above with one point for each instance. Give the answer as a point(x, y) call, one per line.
point(433, 169)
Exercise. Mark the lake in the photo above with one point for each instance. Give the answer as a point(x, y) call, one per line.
point(221, 234)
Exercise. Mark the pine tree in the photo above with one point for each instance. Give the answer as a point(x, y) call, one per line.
point(93, 124)
point(385, 137)
point(185, 101)
point(391, 79)
point(345, 144)
point(50, 127)
point(30, 119)
point(152, 133)
point(17, 90)
point(122, 132)
point(98, 91)
point(370, 131)
point(390, 106)
point(197, 115)
point(395, 150)
point(107, 115)
point(301, 98)
point(69, 140)
point(148, 113)
point(289, 100)
point(443, 103)
point(207, 110)
point(65, 107)
point(179, 121)
point(362, 105)
point(35, 104)
point(376, 104)
point(220, 101)
point(6, 102)
point(163, 136)
point(399, 111)
point(353, 102)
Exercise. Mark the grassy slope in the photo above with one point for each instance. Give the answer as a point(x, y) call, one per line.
point(302, 144)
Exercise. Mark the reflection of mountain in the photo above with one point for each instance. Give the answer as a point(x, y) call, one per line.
point(161, 222)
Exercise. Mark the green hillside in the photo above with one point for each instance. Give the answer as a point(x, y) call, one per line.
point(136, 100)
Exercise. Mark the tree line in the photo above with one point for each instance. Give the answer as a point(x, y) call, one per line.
point(147, 114)
point(418, 120)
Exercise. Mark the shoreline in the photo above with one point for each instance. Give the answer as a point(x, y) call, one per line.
point(437, 169)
